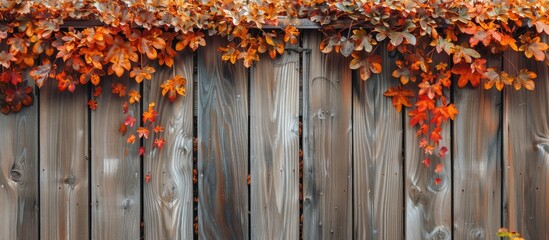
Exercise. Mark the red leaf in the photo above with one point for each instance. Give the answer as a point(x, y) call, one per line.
point(438, 181)
point(130, 120)
point(159, 143)
point(92, 104)
point(141, 151)
point(439, 168)
point(147, 178)
point(443, 151)
point(426, 162)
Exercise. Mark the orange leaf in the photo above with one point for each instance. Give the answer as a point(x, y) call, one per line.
point(159, 143)
point(119, 89)
point(131, 139)
point(134, 96)
point(92, 104)
point(151, 114)
point(142, 132)
point(400, 97)
point(439, 168)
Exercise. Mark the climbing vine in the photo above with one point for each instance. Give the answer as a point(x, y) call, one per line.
point(125, 35)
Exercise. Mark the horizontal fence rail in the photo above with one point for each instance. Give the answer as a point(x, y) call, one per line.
point(295, 147)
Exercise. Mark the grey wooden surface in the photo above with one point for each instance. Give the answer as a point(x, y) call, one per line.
point(526, 152)
point(64, 163)
point(377, 161)
point(327, 180)
point(428, 205)
point(115, 167)
point(274, 148)
point(19, 174)
point(477, 161)
point(222, 146)
point(168, 199)
point(357, 181)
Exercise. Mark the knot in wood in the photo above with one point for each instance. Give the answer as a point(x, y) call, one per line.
point(70, 180)
point(16, 176)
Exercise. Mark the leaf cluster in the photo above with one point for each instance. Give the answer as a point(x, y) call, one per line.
point(44, 42)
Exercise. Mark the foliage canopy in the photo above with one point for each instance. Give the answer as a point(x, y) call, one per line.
point(125, 34)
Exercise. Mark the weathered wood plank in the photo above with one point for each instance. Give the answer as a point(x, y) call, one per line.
point(116, 182)
point(477, 162)
point(428, 205)
point(274, 147)
point(18, 174)
point(222, 146)
point(64, 199)
point(168, 200)
point(377, 162)
point(526, 151)
point(327, 183)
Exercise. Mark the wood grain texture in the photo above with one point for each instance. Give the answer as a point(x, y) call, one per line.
point(222, 146)
point(327, 182)
point(274, 147)
point(428, 205)
point(377, 162)
point(477, 161)
point(168, 197)
point(115, 167)
point(64, 163)
point(18, 174)
point(526, 152)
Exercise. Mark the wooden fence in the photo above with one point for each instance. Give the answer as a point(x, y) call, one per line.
point(67, 173)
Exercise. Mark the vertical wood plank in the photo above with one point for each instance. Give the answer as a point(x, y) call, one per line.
point(275, 148)
point(222, 146)
point(116, 182)
point(428, 205)
point(378, 166)
point(168, 197)
point(327, 172)
point(477, 161)
point(18, 174)
point(526, 151)
point(64, 160)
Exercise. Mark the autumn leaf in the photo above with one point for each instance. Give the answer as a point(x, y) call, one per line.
point(533, 47)
point(403, 73)
point(159, 143)
point(400, 97)
point(134, 96)
point(363, 40)
point(368, 65)
point(131, 139)
point(438, 181)
point(130, 120)
point(193, 40)
point(426, 162)
point(290, 34)
point(464, 53)
point(439, 167)
point(97, 90)
point(141, 151)
point(525, 78)
point(142, 132)
point(148, 41)
point(147, 178)
point(92, 104)
point(158, 129)
point(123, 128)
point(120, 55)
point(119, 89)
point(443, 151)
point(467, 74)
point(40, 73)
point(173, 87)
point(6, 58)
point(142, 73)
point(150, 114)
point(230, 53)
point(498, 79)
